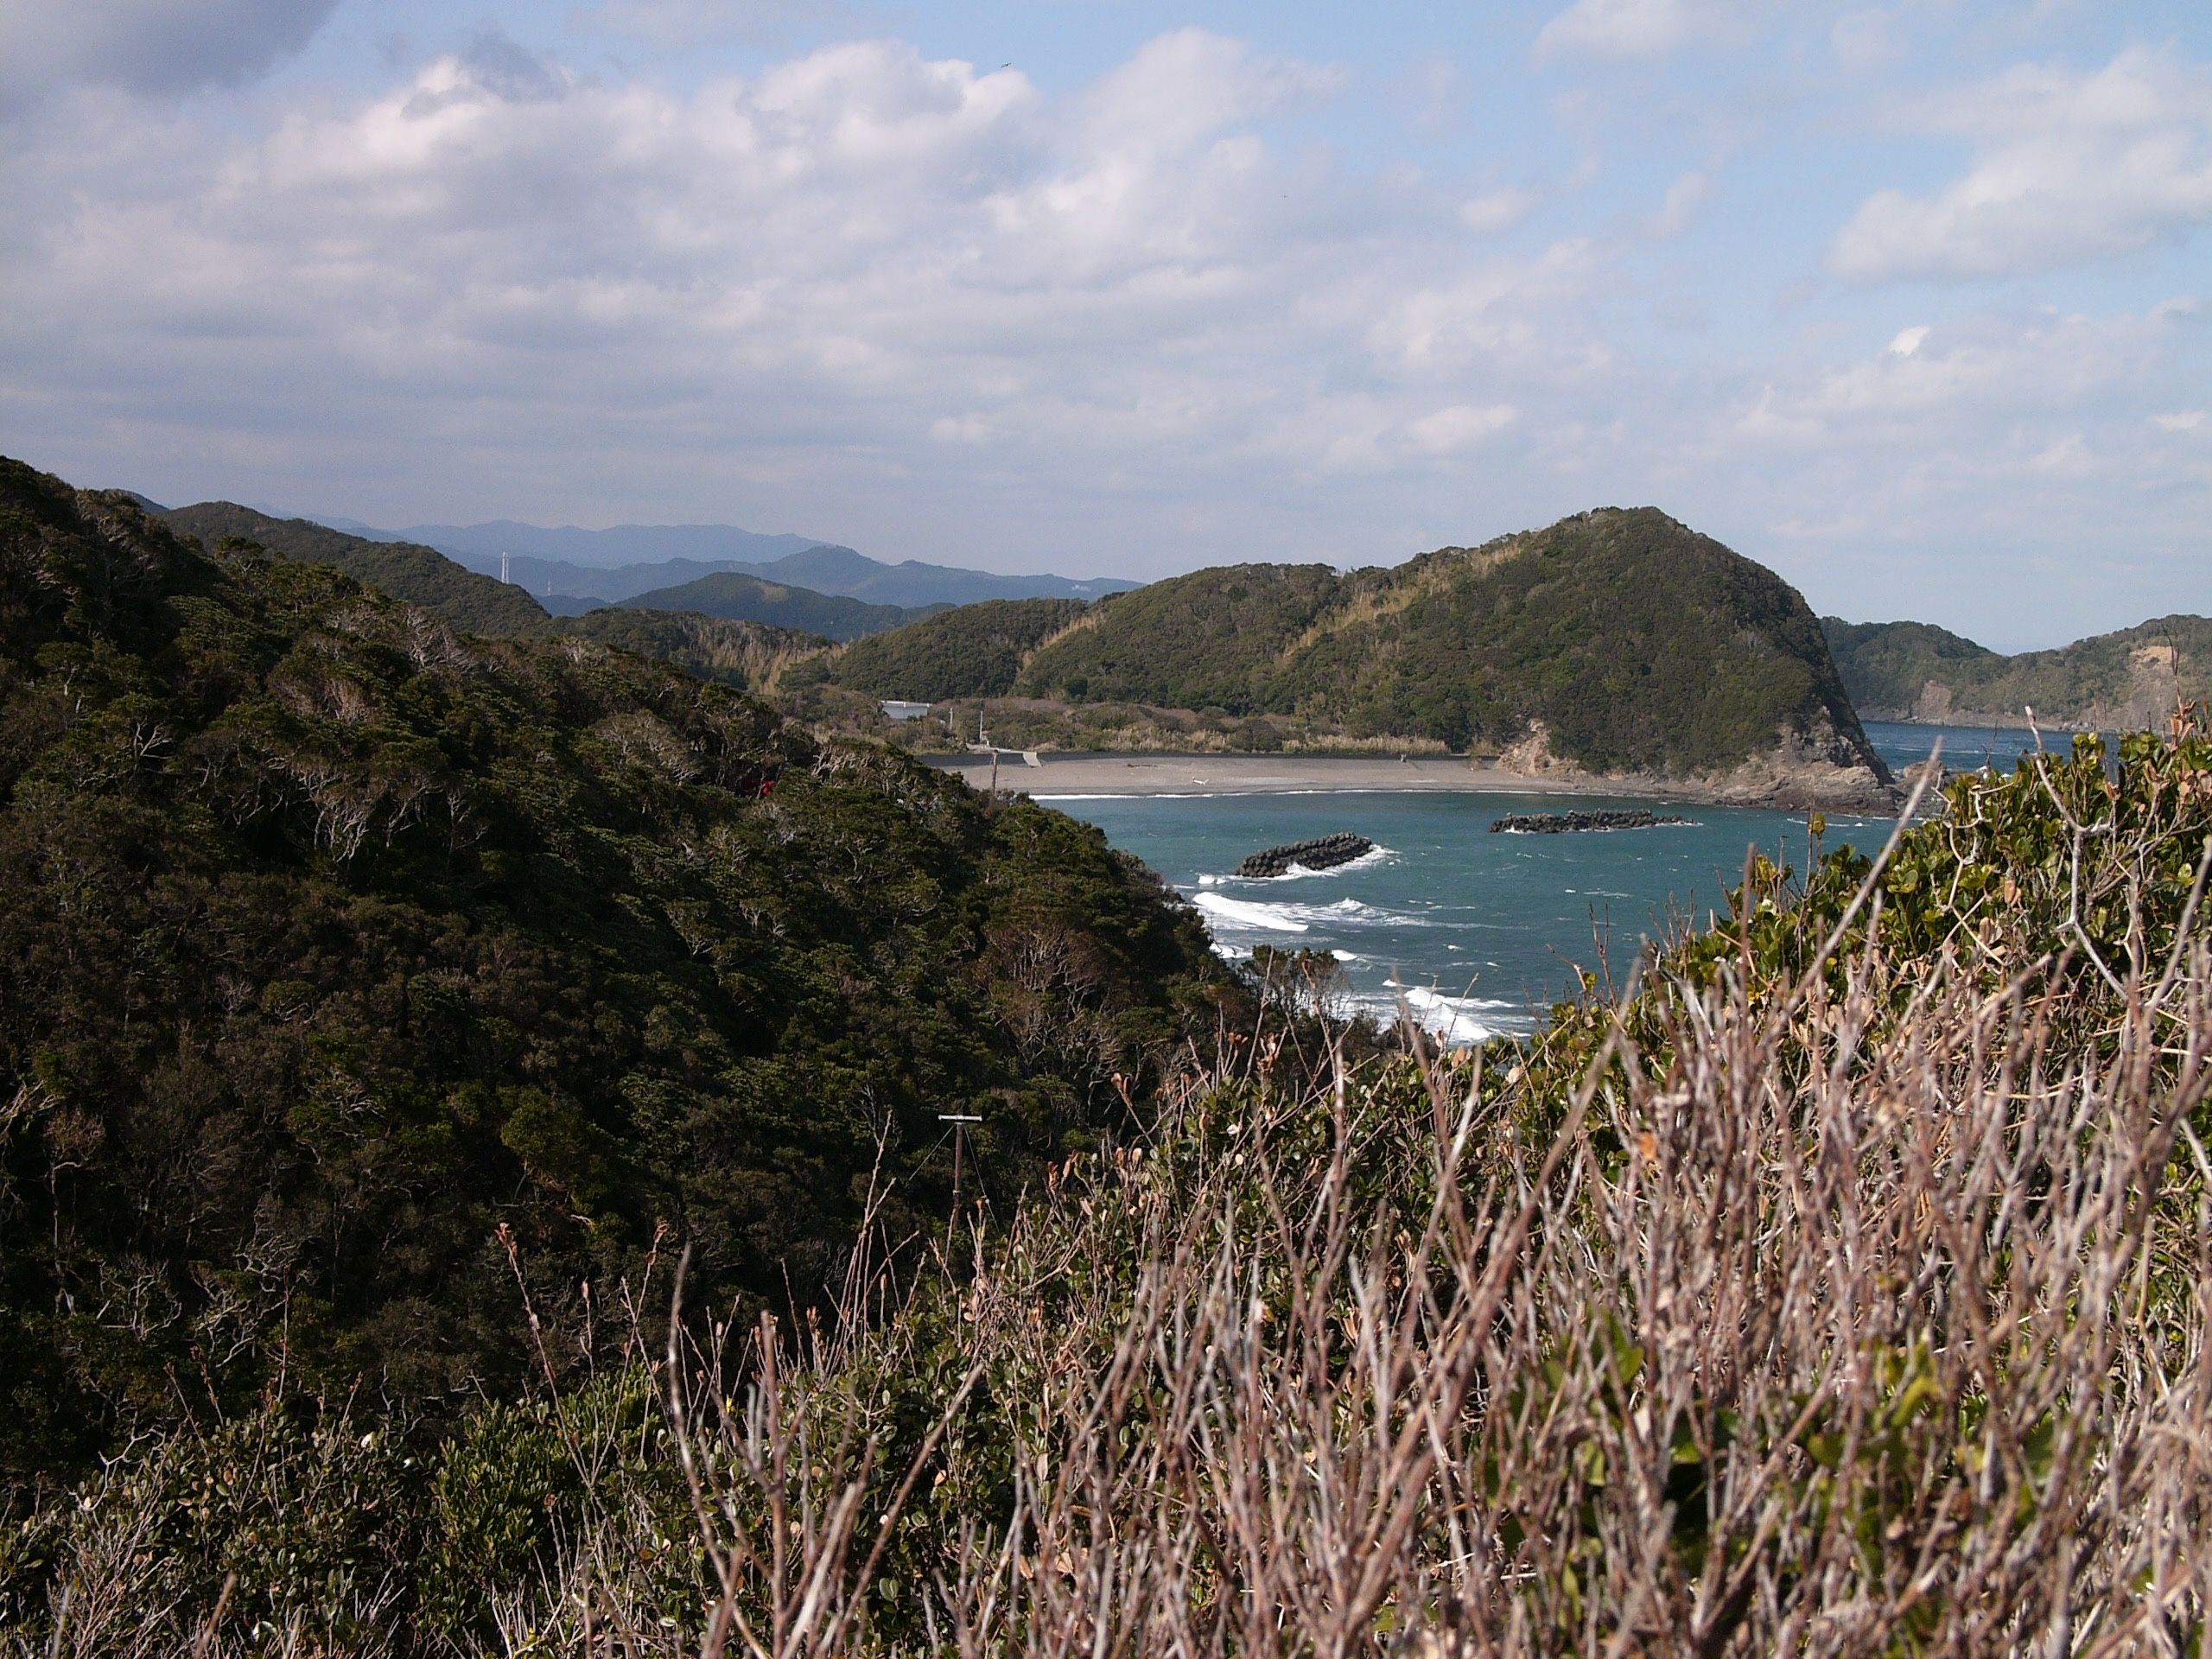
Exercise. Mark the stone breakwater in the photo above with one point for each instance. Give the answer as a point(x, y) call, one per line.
point(1322, 853)
point(1560, 824)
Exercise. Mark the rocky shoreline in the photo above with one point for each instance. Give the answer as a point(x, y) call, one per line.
point(1322, 853)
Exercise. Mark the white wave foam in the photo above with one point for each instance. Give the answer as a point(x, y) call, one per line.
point(1457, 1019)
point(1249, 915)
point(1366, 860)
point(1259, 918)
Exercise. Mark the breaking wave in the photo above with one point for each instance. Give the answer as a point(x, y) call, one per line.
point(1251, 916)
point(1455, 1019)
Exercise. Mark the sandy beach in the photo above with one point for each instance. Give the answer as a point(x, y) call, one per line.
point(1064, 773)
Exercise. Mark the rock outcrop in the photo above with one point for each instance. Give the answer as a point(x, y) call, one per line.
point(1322, 853)
point(1561, 823)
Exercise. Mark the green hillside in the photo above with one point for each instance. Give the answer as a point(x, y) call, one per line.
point(1911, 670)
point(343, 951)
point(974, 650)
point(751, 599)
point(747, 655)
point(1635, 644)
point(420, 575)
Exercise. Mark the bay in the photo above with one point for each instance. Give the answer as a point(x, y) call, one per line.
point(1471, 932)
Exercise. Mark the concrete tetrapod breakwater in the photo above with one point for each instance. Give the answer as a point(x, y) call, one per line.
point(1560, 824)
point(1322, 853)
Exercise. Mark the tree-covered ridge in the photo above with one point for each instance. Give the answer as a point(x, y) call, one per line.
point(1912, 670)
point(1213, 638)
point(420, 575)
point(339, 947)
point(972, 651)
point(750, 655)
point(753, 599)
point(1634, 644)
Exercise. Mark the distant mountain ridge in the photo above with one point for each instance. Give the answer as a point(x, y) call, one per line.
point(573, 569)
point(2130, 677)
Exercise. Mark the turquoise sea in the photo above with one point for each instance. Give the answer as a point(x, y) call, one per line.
point(1477, 932)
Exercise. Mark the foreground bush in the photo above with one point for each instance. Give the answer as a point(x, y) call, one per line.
point(1841, 1288)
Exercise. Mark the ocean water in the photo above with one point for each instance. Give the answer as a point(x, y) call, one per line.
point(1964, 746)
point(1474, 933)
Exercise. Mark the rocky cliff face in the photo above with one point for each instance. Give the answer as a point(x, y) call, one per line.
point(1803, 772)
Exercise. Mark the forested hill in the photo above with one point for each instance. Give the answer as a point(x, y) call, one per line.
point(341, 948)
point(973, 651)
point(751, 598)
point(747, 655)
point(1619, 641)
point(1911, 670)
point(420, 575)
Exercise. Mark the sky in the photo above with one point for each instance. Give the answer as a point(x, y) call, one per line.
point(1912, 302)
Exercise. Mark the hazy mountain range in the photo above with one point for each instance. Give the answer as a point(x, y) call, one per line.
point(571, 570)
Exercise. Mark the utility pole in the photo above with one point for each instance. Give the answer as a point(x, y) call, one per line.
point(960, 1120)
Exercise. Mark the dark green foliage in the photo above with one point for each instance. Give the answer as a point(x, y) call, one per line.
point(1910, 670)
point(747, 655)
point(751, 598)
point(1638, 645)
point(420, 575)
point(974, 650)
point(334, 941)
point(1210, 640)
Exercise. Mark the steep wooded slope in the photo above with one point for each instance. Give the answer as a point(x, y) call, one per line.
point(341, 949)
point(974, 650)
point(420, 575)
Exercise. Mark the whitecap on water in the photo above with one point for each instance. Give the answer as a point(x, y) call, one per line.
point(1455, 1020)
point(1250, 916)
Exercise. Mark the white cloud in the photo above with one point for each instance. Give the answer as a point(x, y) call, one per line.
point(1864, 40)
point(1995, 376)
point(1684, 197)
point(2068, 169)
point(937, 310)
point(1461, 426)
point(1496, 210)
point(145, 46)
point(1516, 315)
point(859, 261)
point(2182, 420)
point(2067, 456)
point(1635, 29)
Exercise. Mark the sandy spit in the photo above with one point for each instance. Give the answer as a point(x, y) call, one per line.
point(1065, 773)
